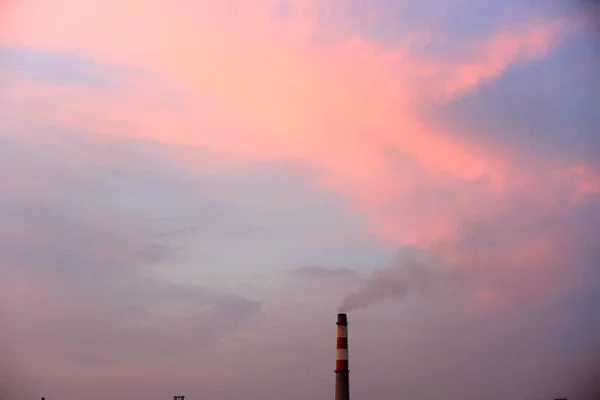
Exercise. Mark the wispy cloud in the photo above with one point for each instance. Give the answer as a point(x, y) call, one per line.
point(316, 271)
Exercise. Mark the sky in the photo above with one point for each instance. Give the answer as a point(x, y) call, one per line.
point(190, 191)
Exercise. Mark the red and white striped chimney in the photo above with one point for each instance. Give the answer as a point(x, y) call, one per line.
point(342, 380)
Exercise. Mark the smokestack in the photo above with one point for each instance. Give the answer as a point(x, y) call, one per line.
point(342, 380)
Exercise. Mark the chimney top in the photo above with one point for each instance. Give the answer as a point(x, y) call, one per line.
point(341, 319)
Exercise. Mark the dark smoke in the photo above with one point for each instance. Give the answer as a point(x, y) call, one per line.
point(396, 281)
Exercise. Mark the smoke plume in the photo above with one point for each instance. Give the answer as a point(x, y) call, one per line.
point(396, 281)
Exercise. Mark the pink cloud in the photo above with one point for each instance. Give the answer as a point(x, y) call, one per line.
point(530, 40)
point(258, 87)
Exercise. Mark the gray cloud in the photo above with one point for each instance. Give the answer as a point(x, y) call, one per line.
point(57, 68)
point(76, 272)
point(320, 272)
point(37, 66)
point(105, 306)
point(545, 108)
point(141, 323)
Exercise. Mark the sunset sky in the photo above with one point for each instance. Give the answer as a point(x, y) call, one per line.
point(190, 191)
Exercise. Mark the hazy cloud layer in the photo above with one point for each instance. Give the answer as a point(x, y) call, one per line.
point(316, 271)
point(76, 276)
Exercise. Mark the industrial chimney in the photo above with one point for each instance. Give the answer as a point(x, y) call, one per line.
point(342, 380)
